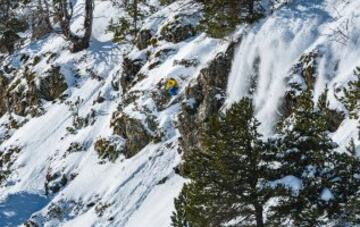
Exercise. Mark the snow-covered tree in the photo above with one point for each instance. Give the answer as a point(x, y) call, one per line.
point(222, 16)
point(228, 175)
point(351, 97)
point(306, 151)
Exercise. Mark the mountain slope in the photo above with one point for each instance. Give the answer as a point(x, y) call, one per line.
point(57, 148)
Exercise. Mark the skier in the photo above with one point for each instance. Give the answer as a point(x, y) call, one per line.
point(171, 86)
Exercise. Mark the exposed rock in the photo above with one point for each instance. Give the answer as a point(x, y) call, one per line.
point(8, 41)
point(23, 96)
point(160, 96)
point(303, 76)
point(143, 38)
point(289, 100)
point(75, 147)
point(109, 148)
point(130, 69)
point(4, 82)
point(177, 31)
point(30, 223)
point(307, 68)
point(187, 62)
point(136, 134)
point(7, 159)
point(160, 56)
point(54, 182)
point(53, 85)
point(99, 99)
point(24, 99)
point(204, 98)
point(40, 26)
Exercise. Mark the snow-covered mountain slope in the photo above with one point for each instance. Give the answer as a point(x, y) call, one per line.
point(131, 109)
point(273, 47)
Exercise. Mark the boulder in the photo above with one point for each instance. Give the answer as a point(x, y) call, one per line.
point(109, 148)
point(143, 38)
point(177, 30)
point(53, 85)
point(8, 41)
point(131, 67)
point(136, 134)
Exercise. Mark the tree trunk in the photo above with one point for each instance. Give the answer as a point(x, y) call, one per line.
point(82, 43)
point(64, 14)
point(259, 215)
point(135, 17)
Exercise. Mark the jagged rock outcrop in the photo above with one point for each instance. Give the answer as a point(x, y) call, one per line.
point(7, 159)
point(177, 30)
point(4, 82)
point(131, 67)
point(53, 85)
point(136, 134)
point(109, 148)
point(8, 41)
point(23, 96)
point(204, 98)
point(160, 96)
point(9, 38)
point(54, 182)
point(143, 38)
point(160, 56)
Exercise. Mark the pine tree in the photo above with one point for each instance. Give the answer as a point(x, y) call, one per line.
point(126, 28)
point(222, 16)
point(228, 175)
point(307, 152)
point(346, 187)
point(351, 97)
point(333, 118)
point(304, 153)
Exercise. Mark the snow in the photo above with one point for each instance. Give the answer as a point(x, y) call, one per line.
point(277, 43)
point(289, 182)
point(326, 195)
point(133, 188)
point(17, 208)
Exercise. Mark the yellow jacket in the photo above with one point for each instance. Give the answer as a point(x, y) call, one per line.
point(170, 83)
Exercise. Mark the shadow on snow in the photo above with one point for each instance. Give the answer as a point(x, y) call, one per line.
point(18, 208)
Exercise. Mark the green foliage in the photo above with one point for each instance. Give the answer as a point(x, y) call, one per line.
point(125, 28)
point(235, 174)
point(228, 174)
point(346, 208)
point(306, 151)
point(351, 98)
point(333, 118)
point(222, 16)
point(109, 148)
point(166, 2)
point(121, 30)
